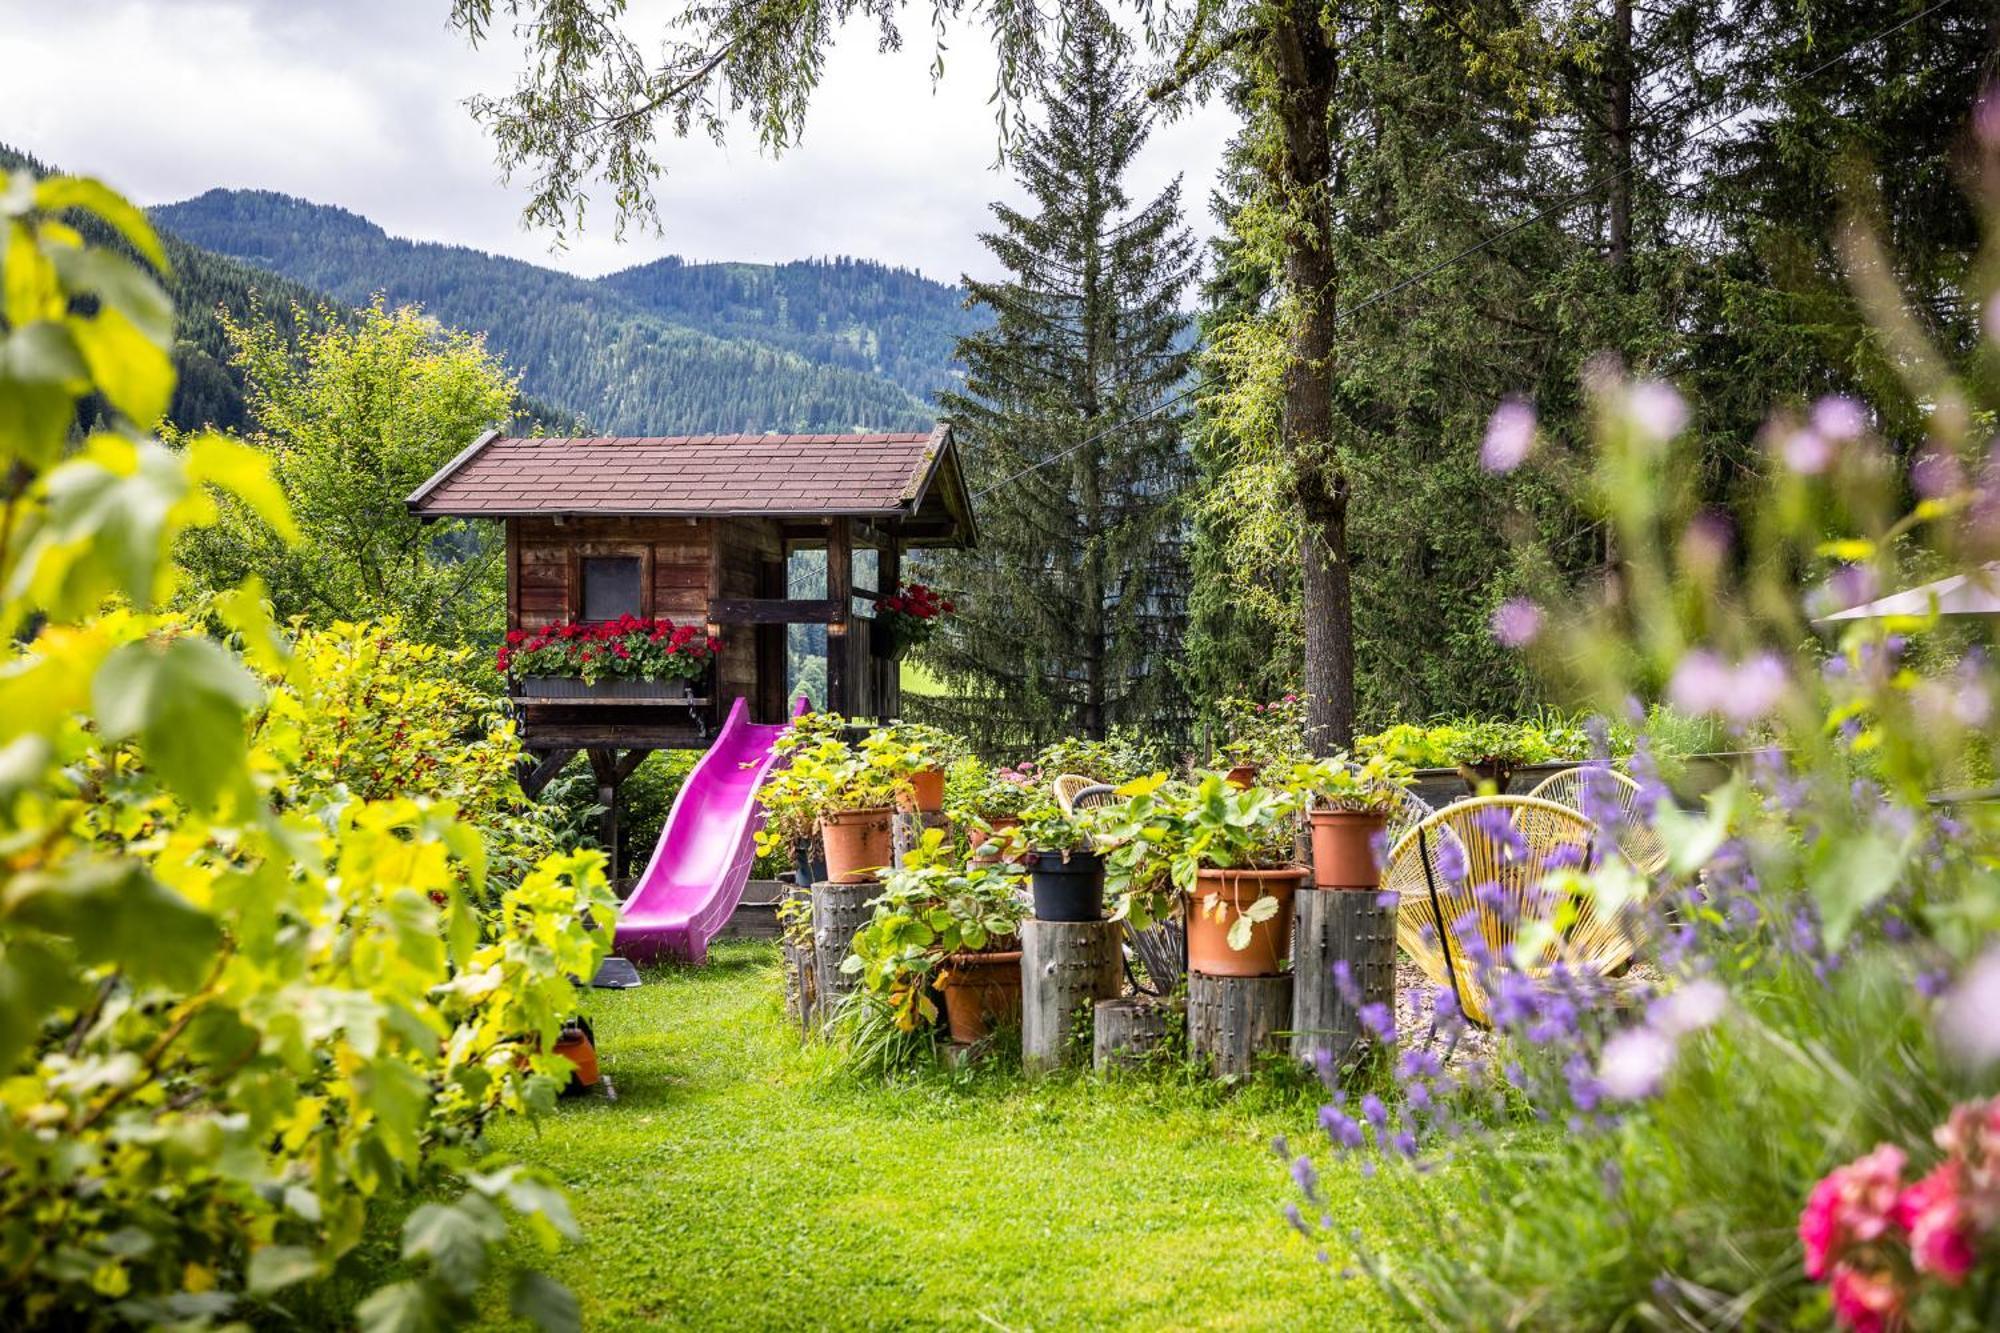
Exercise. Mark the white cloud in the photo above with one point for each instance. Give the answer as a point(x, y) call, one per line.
point(360, 104)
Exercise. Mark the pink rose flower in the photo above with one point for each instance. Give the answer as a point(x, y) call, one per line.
point(1854, 1205)
point(1933, 1211)
point(1865, 1302)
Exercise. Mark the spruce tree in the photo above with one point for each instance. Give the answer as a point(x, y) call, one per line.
point(1072, 609)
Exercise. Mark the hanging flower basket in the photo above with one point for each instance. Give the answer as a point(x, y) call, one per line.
point(908, 617)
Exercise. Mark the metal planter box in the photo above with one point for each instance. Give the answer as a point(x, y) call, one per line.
point(568, 687)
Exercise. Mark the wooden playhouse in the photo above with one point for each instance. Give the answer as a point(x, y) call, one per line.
point(778, 544)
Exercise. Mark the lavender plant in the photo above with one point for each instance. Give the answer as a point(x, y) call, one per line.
point(1820, 982)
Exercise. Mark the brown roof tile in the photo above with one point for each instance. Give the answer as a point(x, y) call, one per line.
point(790, 474)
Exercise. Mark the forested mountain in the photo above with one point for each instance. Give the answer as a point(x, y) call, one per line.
point(707, 348)
point(846, 312)
point(209, 390)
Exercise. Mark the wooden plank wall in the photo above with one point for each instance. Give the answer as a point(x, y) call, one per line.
point(687, 562)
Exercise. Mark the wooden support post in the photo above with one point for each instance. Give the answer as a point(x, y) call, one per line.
point(604, 763)
point(1126, 1032)
point(1065, 966)
point(838, 910)
point(839, 591)
point(1233, 1020)
point(1335, 926)
point(544, 770)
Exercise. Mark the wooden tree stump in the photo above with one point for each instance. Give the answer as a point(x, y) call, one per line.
point(1126, 1032)
point(1065, 966)
point(907, 830)
point(1331, 926)
point(838, 910)
point(1233, 1020)
point(800, 969)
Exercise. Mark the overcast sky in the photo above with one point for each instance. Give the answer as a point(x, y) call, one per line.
point(360, 103)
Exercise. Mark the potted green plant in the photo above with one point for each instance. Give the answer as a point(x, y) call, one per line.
point(1227, 851)
point(985, 801)
point(794, 795)
point(1487, 753)
point(1256, 736)
point(859, 789)
point(926, 753)
point(955, 926)
point(1347, 805)
point(1066, 872)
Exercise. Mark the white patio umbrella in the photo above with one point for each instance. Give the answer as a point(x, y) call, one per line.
point(1975, 593)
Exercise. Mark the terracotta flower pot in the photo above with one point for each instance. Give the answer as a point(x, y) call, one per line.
point(980, 989)
point(976, 837)
point(1270, 940)
point(928, 788)
point(1243, 777)
point(1343, 848)
point(858, 844)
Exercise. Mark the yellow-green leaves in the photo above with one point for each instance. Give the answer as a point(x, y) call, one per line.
point(184, 700)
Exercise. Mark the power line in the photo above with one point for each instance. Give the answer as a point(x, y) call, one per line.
point(1469, 251)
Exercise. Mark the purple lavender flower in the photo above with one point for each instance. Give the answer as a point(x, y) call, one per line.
point(1969, 1021)
point(1297, 1221)
point(1656, 410)
point(1341, 1128)
point(1634, 1063)
point(1374, 1111)
point(1306, 1176)
point(1388, 897)
point(1700, 683)
point(1936, 475)
point(1378, 1019)
point(1419, 1062)
point(1839, 419)
point(1510, 435)
point(1516, 622)
point(1692, 1007)
point(1757, 688)
point(1404, 1142)
point(1805, 451)
point(1450, 858)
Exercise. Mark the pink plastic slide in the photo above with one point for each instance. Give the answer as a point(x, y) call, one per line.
point(698, 871)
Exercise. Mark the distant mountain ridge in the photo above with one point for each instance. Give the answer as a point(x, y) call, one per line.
point(815, 345)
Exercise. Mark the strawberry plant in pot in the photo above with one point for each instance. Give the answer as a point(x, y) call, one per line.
point(631, 656)
point(985, 800)
point(1257, 736)
point(926, 753)
point(858, 789)
point(1347, 805)
point(952, 927)
point(795, 794)
point(1066, 872)
point(1226, 850)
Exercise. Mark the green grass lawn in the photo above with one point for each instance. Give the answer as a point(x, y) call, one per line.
point(742, 1180)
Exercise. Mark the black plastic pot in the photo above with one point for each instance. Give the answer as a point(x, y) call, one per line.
point(809, 863)
point(1071, 890)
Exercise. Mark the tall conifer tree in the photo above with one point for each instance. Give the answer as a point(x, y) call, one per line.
point(1071, 612)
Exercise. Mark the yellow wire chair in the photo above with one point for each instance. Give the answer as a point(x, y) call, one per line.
point(1075, 792)
point(1595, 788)
point(1481, 863)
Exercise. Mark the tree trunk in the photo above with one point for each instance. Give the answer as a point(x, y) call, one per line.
point(1618, 123)
point(1305, 64)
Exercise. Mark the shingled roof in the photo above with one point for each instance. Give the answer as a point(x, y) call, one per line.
point(877, 476)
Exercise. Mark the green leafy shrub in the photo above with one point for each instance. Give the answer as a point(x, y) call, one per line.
point(244, 1008)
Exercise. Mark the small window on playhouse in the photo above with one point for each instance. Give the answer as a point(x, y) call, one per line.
point(610, 586)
